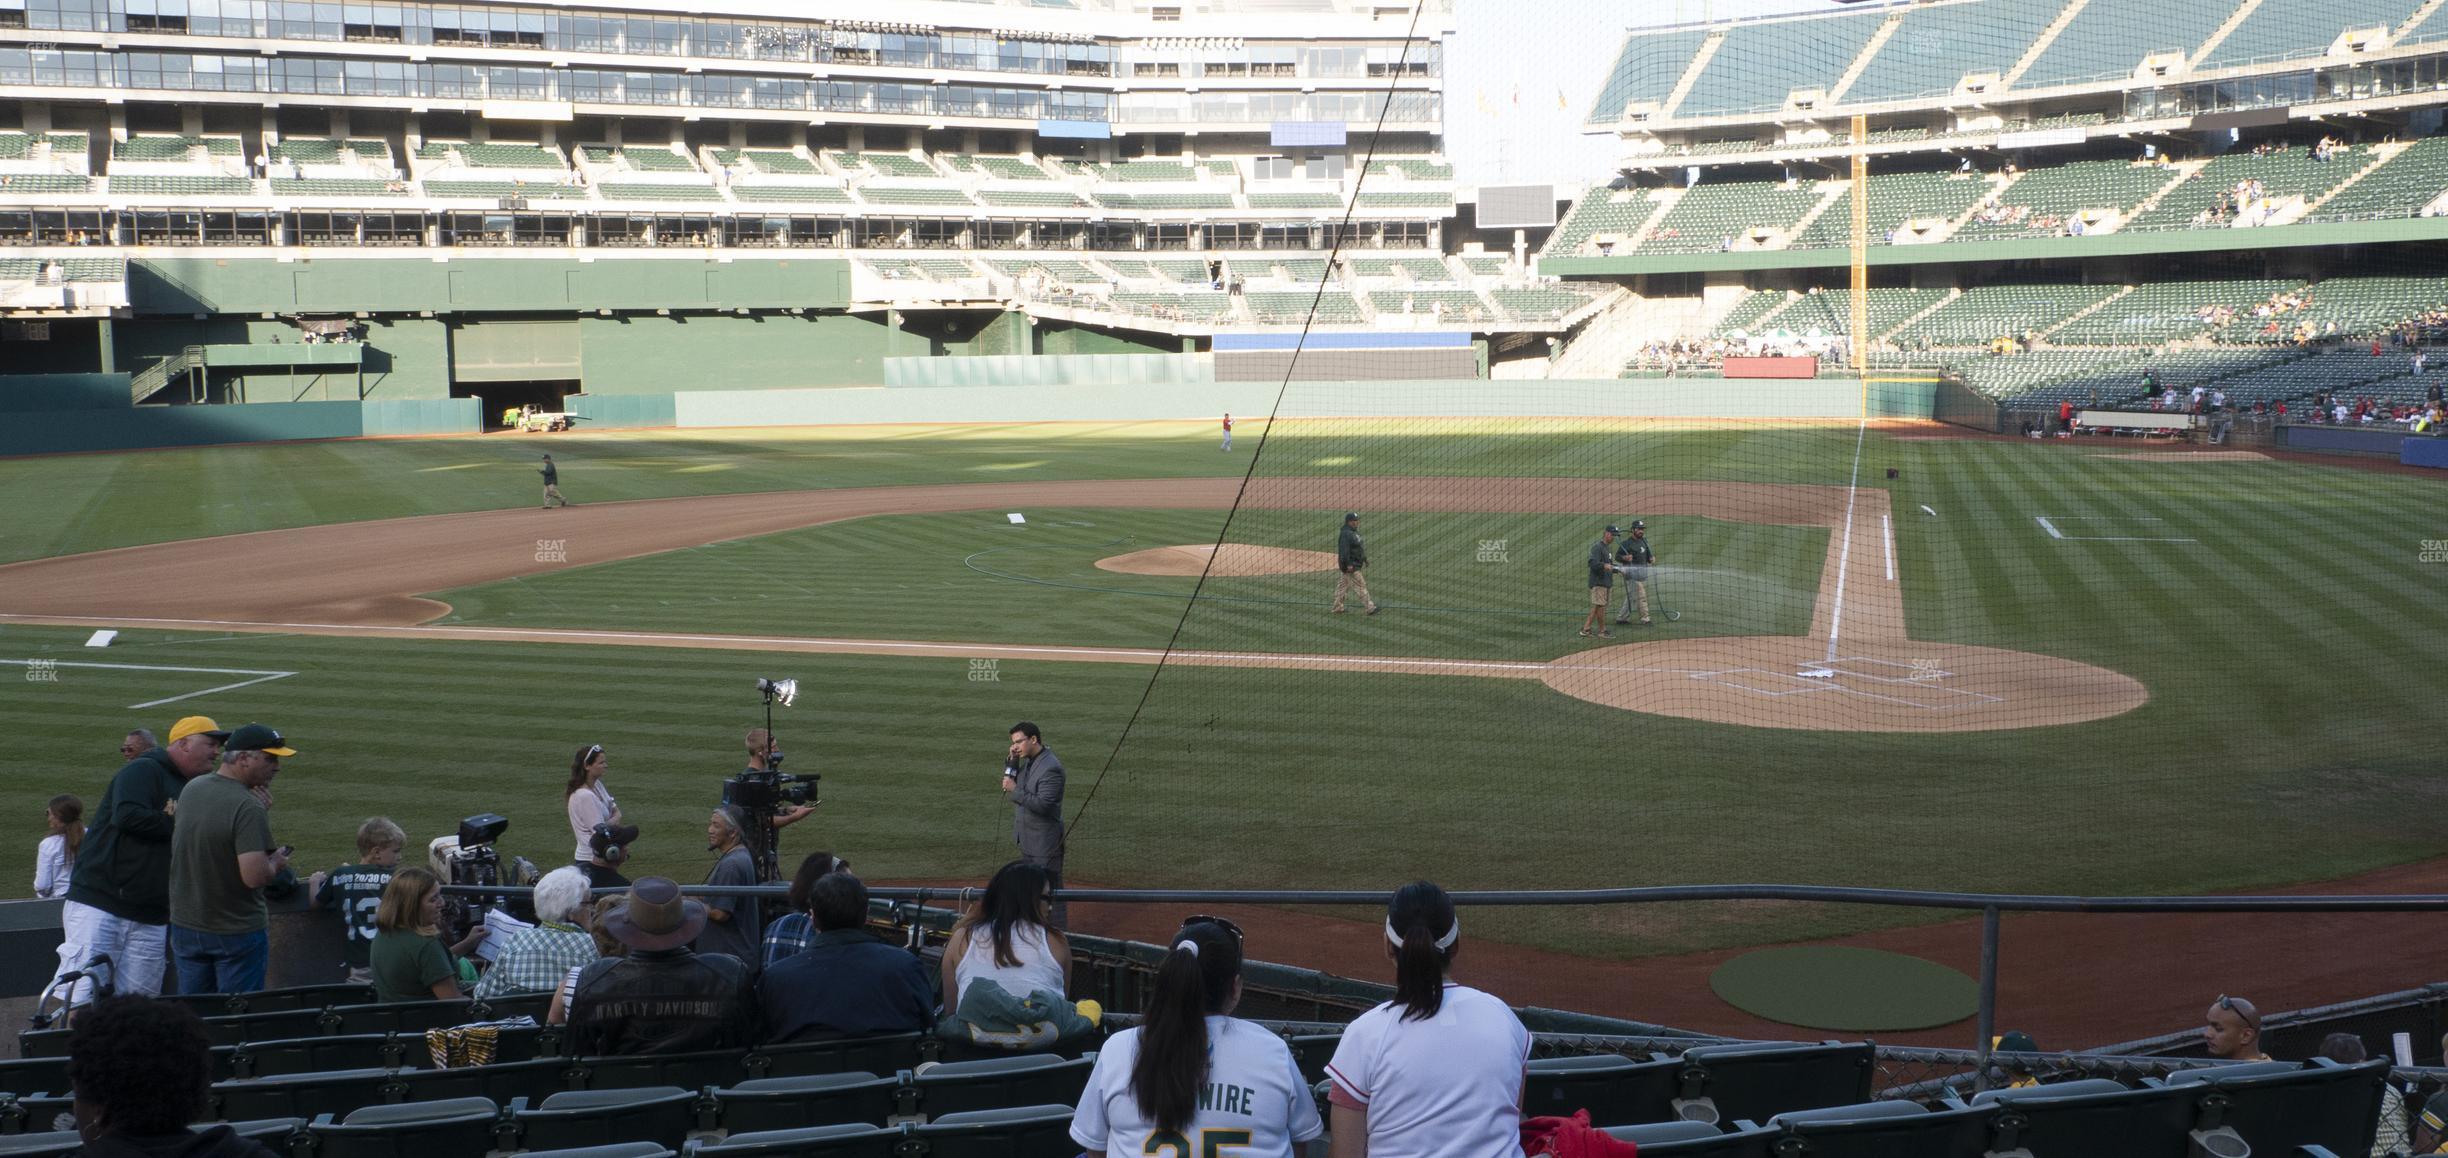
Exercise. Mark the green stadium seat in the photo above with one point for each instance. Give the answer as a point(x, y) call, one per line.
point(34, 1075)
point(308, 1096)
point(1890, 1129)
point(503, 1082)
point(841, 1141)
point(16, 185)
point(689, 1071)
point(2398, 187)
point(1741, 1142)
point(1294, 201)
point(1541, 304)
point(994, 1083)
point(32, 1114)
point(893, 195)
point(1936, 47)
point(1292, 307)
point(660, 191)
point(338, 187)
point(1115, 199)
point(2282, 174)
point(2106, 41)
point(1896, 200)
point(882, 1054)
point(806, 1100)
point(1149, 171)
point(791, 194)
point(1031, 199)
point(457, 1126)
point(1753, 1080)
point(307, 150)
point(1042, 1131)
point(615, 1150)
point(662, 1114)
point(1397, 199)
point(1444, 305)
point(1012, 169)
point(1758, 65)
point(1711, 216)
point(158, 185)
point(303, 1055)
point(47, 1144)
point(2094, 1122)
point(1411, 168)
point(2283, 29)
point(1615, 1090)
point(2063, 192)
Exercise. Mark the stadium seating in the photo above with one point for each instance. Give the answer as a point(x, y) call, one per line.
point(883, 164)
point(663, 1114)
point(1615, 1090)
point(1540, 304)
point(1716, 216)
point(1757, 65)
point(19, 184)
point(2065, 374)
point(912, 195)
point(1755, 306)
point(1831, 310)
point(1397, 199)
point(1003, 1132)
point(494, 155)
point(994, 1083)
point(1651, 65)
point(1149, 171)
point(1411, 168)
point(163, 185)
point(1112, 199)
point(787, 1103)
point(1602, 210)
point(1754, 1080)
point(2282, 174)
point(2295, 28)
point(338, 187)
point(1680, 1140)
point(2111, 40)
point(2399, 187)
point(1443, 305)
point(847, 1141)
point(420, 1130)
point(1984, 313)
point(1896, 199)
point(662, 191)
point(767, 161)
point(1415, 268)
point(1890, 1129)
point(1936, 47)
point(1291, 307)
point(1295, 201)
point(156, 147)
point(1485, 264)
point(786, 194)
point(1031, 199)
point(494, 190)
point(2063, 192)
point(2159, 312)
point(1206, 308)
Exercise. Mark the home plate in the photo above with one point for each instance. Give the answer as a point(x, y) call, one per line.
point(1816, 674)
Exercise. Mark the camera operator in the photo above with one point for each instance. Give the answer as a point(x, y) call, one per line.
point(764, 757)
point(590, 804)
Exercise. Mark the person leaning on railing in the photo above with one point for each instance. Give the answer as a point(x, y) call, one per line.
point(409, 960)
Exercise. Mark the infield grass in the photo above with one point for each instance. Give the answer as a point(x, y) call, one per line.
point(2290, 646)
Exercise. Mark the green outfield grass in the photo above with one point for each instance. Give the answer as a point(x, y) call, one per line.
point(2290, 649)
point(978, 577)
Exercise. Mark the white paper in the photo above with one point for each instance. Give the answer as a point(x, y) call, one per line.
point(2403, 1045)
point(504, 927)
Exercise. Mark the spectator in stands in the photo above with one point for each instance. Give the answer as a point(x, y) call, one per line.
point(539, 959)
point(661, 998)
point(355, 891)
point(734, 924)
point(792, 931)
point(141, 1070)
point(2431, 1130)
point(408, 958)
point(1005, 939)
point(1156, 1080)
point(589, 802)
point(592, 918)
point(1438, 1070)
point(2392, 1136)
point(119, 893)
point(2018, 1073)
point(221, 858)
point(55, 857)
point(849, 982)
point(2232, 1031)
point(137, 743)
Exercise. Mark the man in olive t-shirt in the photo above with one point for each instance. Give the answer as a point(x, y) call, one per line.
point(221, 857)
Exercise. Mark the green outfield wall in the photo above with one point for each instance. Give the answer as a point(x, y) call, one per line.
point(146, 427)
point(55, 392)
point(1051, 370)
point(482, 283)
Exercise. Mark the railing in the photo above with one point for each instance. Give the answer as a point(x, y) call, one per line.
point(155, 378)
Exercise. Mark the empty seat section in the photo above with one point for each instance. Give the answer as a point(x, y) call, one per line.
point(2281, 29)
point(1715, 216)
point(1896, 200)
point(2045, 201)
point(1445, 305)
point(1758, 65)
point(1937, 47)
point(2158, 312)
point(163, 185)
point(2106, 41)
point(1291, 307)
point(1984, 313)
point(2400, 187)
point(1603, 211)
point(1755, 1080)
point(2286, 173)
point(900, 195)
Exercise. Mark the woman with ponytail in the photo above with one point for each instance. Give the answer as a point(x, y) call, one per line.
point(1193, 1080)
point(1436, 1072)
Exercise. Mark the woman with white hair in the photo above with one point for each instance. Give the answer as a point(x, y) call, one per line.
point(536, 960)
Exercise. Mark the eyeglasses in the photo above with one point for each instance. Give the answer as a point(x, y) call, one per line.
point(2250, 1017)
point(1219, 922)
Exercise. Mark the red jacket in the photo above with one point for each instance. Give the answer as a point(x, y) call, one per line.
point(1572, 1137)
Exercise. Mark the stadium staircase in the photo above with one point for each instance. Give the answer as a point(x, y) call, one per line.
point(2087, 311)
point(2235, 20)
point(1664, 201)
point(1613, 335)
point(1925, 311)
point(2380, 155)
point(1691, 74)
point(2429, 7)
point(2040, 44)
point(157, 377)
point(1861, 63)
point(1834, 195)
point(2188, 170)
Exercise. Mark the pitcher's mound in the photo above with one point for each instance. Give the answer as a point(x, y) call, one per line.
point(1233, 559)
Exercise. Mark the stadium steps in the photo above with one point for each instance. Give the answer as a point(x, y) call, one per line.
point(1925, 311)
point(2219, 36)
point(2087, 311)
point(2429, 7)
point(2380, 155)
point(1659, 208)
point(2040, 44)
point(1691, 75)
point(1861, 63)
point(2142, 208)
point(1834, 194)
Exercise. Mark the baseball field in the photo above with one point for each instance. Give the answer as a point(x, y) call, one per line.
point(2014, 666)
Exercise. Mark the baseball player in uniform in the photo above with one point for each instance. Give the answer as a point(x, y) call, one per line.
point(1601, 583)
point(1228, 432)
point(552, 484)
point(1636, 558)
point(1350, 557)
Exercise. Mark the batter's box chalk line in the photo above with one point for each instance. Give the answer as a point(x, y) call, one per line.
point(1831, 677)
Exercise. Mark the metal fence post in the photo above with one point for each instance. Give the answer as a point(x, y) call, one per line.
point(1988, 994)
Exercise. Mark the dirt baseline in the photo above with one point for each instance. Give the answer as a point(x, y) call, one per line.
point(1232, 561)
point(365, 579)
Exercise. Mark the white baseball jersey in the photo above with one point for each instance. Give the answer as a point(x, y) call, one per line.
point(1253, 1104)
point(1446, 1087)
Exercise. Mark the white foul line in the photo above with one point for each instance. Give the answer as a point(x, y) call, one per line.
point(2048, 526)
point(2054, 533)
point(1844, 558)
point(261, 675)
point(1887, 529)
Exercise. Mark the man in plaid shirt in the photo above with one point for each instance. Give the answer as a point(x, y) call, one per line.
point(795, 930)
point(538, 960)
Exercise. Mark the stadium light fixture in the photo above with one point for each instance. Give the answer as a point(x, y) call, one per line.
point(784, 692)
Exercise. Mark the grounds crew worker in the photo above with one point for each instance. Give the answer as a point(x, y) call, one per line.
point(1350, 557)
point(1636, 558)
point(552, 484)
point(1601, 583)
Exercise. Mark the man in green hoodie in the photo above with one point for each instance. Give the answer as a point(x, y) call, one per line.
point(119, 894)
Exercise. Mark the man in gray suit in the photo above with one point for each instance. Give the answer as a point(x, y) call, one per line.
point(1033, 782)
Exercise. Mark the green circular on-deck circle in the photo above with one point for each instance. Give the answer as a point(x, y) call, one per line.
point(1848, 989)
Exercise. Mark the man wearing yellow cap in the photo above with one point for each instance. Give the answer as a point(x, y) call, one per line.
point(119, 893)
point(221, 857)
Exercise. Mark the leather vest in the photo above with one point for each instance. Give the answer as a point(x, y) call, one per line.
point(673, 1001)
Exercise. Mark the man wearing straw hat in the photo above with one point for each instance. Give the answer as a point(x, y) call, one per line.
point(662, 997)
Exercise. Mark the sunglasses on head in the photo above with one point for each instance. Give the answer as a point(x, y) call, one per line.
point(1218, 922)
point(593, 750)
point(2227, 1003)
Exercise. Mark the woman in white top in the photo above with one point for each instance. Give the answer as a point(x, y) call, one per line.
point(55, 858)
point(590, 803)
point(1004, 938)
point(1193, 1080)
point(1436, 1072)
